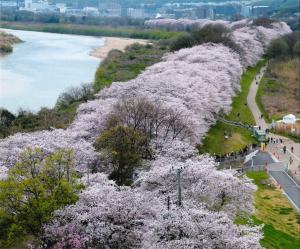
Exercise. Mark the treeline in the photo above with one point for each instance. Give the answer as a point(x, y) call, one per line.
point(216, 33)
point(288, 46)
point(28, 16)
point(91, 30)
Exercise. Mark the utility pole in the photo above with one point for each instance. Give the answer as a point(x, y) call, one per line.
point(88, 176)
point(179, 186)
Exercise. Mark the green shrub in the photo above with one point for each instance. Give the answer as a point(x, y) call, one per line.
point(34, 188)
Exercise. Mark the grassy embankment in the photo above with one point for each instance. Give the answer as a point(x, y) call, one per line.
point(280, 219)
point(279, 92)
point(119, 67)
point(92, 30)
point(214, 141)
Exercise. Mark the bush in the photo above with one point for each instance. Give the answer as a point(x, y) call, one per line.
point(215, 33)
point(278, 48)
point(296, 49)
point(286, 46)
point(75, 94)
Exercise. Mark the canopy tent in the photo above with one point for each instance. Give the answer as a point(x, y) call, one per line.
point(289, 119)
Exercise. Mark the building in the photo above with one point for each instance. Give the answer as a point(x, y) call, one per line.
point(36, 6)
point(205, 12)
point(61, 7)
point(261, 11)
point(259, 134)
point(90, 11)
point(9, 4)
point(135, 13)
point(246, 11)
point(110, 8)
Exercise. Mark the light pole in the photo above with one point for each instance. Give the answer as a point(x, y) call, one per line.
point(179, 170)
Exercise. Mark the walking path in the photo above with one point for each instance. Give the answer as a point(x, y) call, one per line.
point(288, 160)
point(291, 189)
point(291, 160)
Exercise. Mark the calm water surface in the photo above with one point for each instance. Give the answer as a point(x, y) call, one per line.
point(43, 66)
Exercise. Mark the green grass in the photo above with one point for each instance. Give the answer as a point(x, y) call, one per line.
point(258, 178)
point(92, 30)
point(121, 67)
point(214, 141)
point(281, 221)
point(275, 239)
point(238, 102)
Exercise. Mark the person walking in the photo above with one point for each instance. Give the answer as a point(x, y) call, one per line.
point(284, 149)
point(292, 149)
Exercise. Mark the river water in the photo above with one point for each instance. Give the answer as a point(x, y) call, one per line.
point(43, 66)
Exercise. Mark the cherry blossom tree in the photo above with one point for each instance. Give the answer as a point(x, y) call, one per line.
point(106, 216)
point(194, 227)
point(201, 183)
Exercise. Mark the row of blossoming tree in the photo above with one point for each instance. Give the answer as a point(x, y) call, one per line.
point(166, 110)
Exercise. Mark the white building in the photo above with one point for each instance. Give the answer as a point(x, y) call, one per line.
point(246, 11)
point(90, 11)
point(61, 7)
point(36, 6)
point(135, 13)
point(110, 9)
point(8, 4)
point(28, 4)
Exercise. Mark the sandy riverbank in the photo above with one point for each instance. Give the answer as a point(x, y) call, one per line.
point(115, 43)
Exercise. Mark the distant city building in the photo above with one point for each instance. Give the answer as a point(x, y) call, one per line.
point(261, 11)
point(37, 6)
point(61, 7)
point(246, 11)
point(90, 11)
point(28, 4)
point(135, 13)
point(110, 8)
point(9, 4)
point(205, 12)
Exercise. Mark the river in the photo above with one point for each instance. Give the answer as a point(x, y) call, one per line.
point(43, 66)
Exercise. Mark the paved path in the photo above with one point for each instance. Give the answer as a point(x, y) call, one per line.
point(291, 160)
point(286, 160)
point(290, 188)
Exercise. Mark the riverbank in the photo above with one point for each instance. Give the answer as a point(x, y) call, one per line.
point(115, 43)
point(92, 30)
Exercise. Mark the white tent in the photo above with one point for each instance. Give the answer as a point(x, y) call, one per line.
point(289, 119)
